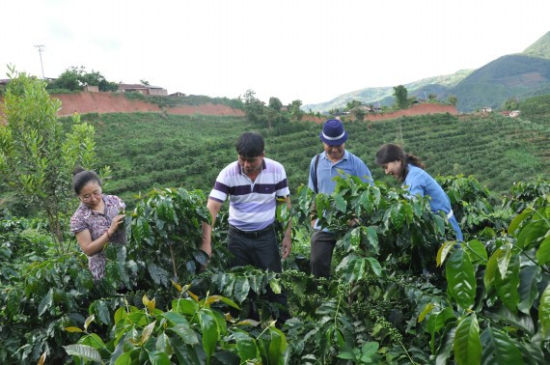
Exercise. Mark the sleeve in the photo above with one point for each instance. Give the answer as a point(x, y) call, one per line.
point(281, 189)
point(78, 223)
point(363, 172)
point(310, 175)
point(220, 191)
point(120, 203)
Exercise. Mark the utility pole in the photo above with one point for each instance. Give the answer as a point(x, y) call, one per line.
point(40, 50)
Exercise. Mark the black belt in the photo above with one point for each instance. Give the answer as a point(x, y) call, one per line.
point(252, 234)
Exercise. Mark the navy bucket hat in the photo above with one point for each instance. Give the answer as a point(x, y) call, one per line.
point(333, 133)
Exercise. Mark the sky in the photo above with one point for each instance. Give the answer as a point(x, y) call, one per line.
point(291, 49)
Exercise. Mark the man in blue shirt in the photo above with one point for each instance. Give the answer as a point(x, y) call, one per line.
point(334, 161)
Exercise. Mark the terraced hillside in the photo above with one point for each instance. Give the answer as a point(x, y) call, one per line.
point(147, 149)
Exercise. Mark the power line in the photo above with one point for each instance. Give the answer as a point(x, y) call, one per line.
point(40, 50)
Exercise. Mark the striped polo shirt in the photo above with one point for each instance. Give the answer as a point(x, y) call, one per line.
point(252, 204)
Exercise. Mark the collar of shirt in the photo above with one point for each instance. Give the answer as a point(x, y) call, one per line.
point(88, 211)
point(344, 158)
point(241, 170)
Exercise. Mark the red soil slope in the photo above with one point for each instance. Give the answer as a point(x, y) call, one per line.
point(417, 109)
point(84, 102)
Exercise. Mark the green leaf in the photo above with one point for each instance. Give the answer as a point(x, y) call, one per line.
point(158, 274)
point(124, 359)
point(518, 219)
point(467, 343)
point(498, 348)
point(543, 253)
point(147, 331)
point(99, 308)
point(503, 260)
point(176, 318)
point(427, 309)
point(46, 302)
point(531, 233)
point(507, 287)
point(340, 203)
point(277, 346)
point(444, 249)
point(159, 358)
point(375, 266)
point(72, 329)
point(246, 348)
point(461, 279)
point(528, 281)
point(186, 333)
point(84, 352)
point(372, 238)
point(185, 305)
point(241, 289)
point(544, 312)
point(210, 333)
point(477, 252)
point(275, 286)
point(490, 270)
point(92, 340)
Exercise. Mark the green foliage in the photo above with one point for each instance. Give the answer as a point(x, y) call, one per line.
point(75, 78)
point(36, 157)
point(400, 95)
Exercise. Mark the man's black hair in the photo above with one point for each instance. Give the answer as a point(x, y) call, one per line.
point(250, 145)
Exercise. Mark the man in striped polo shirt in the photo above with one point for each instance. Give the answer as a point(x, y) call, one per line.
point(253, 184)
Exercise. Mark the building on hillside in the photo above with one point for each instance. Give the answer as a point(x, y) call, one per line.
point(486, 109)
point(91, 88)
point(142, 89)
point(177, 94)
point(514, 113)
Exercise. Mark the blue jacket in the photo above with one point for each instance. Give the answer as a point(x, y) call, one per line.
point(419, 182)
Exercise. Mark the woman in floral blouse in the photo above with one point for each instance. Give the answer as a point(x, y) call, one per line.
point(96, 221)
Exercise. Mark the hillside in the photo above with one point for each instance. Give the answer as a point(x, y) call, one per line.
point(151, 149)
point(541, 48)
point(383, 95)
point(85, 102)
point(516, 76)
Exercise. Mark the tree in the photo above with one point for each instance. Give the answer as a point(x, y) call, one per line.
point(36, 156)
point(353, 104)
point(254, 108)
point(400, 94)
point(358, 113)
point(75, 78)
point(453, 100)
point(295, 109)
point(275, 104)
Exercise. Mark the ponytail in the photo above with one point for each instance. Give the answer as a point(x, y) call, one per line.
point(414, 160)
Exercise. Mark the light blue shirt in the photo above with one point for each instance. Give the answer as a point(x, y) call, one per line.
point(419, 182)
point(328, 170)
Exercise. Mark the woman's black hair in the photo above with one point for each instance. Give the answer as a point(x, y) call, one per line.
point(391, 152)
point(250, 145)
point(81, 177)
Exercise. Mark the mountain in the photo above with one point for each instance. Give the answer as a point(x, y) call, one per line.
point(513, 76)
point(381, 95)
point(541, 48)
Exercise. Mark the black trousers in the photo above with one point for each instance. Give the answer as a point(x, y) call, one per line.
point(259, 249)
point(322, 246)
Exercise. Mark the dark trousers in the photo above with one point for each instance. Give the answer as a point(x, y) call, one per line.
point(322, 245)
point(259, 249)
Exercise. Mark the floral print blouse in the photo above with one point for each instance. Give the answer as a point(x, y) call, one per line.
point(97, 224)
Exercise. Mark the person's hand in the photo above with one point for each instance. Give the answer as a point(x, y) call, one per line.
point(286, 247)
point(313, 221)
point(115, 223)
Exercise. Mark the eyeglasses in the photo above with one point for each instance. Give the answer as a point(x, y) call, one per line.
point(87, 197)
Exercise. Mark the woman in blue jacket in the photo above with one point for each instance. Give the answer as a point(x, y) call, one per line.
point(409, 170)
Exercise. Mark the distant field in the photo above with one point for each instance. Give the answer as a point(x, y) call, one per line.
point(147, 149)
